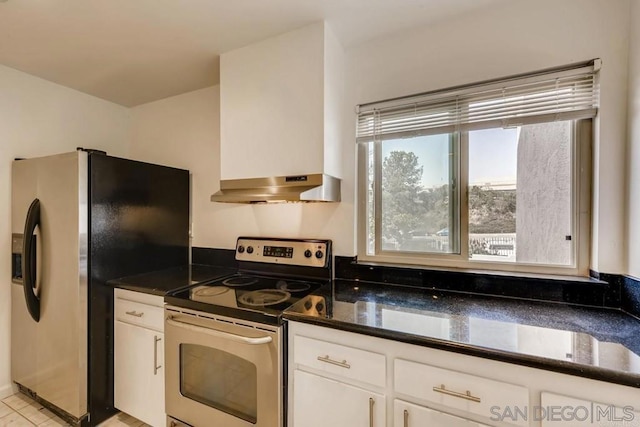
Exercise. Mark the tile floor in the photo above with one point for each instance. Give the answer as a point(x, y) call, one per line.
point(20, 410)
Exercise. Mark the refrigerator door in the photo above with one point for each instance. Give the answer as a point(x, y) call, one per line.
point(23, 327)
point(50, 356)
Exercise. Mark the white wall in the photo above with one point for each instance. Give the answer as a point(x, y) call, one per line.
point(184, 131)
point(633, 157)
point(39, 118)
point(513, 38)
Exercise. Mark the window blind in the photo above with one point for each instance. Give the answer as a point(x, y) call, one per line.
point(566, 93)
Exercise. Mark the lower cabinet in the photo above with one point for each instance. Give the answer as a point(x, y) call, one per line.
point(335, 375)
point(322, 402)
point(406, 414)
point(139, 358)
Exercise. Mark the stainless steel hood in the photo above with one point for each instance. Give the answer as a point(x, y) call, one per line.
point(280, 189)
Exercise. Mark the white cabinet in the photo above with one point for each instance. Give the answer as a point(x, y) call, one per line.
point(568, 411)
point(334, 384)
point(337, 374)
point(322, 402)
point(139, 356)
point(439, 388)
point(406, 414)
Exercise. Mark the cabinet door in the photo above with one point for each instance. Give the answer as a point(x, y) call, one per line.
point(321, 402)
point(570, 411)
point(409, 415)
point(139, 373)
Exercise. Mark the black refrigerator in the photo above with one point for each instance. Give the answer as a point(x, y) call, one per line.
point(79, 220)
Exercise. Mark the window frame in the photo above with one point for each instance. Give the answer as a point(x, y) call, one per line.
point(582, 143)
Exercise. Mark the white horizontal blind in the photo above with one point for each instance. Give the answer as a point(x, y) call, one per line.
point(560, 94)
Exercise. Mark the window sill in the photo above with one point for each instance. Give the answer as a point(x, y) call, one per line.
point(579, 290)
point(484, 272)
point(454, 262)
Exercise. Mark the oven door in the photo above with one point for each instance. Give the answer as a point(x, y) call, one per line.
point(222, 371)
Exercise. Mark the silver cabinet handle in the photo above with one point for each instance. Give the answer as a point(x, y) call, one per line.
point(327, 359)
point(406, 418)
point(219, 334)
point(466, 395)
point(135, 313)
point(156, 340)
point(371, 403)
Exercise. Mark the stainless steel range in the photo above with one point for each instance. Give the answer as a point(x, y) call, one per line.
point(224, 340)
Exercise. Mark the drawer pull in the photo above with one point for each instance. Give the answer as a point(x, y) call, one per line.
point(466, 395)
point(135, 313)
point(327, 359)
point(371, 403)
point(406, 418)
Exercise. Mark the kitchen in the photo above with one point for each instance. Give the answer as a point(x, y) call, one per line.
point(184, 130)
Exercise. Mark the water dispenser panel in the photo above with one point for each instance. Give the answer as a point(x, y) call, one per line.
point(16, 258)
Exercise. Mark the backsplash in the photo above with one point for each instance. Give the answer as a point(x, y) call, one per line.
point(214, 256)
point(601, 290)
point(631, 295)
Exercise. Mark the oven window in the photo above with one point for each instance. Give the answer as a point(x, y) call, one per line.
point(220, 380)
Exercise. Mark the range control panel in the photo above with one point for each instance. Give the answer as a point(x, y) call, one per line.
point(306, 253)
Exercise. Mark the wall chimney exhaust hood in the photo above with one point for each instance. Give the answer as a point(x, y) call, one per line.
point(279, 189)
point(282, 114)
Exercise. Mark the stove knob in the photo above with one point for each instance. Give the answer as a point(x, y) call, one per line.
point(249, 249)
point(240, 249)
point(307, 253)
point(319, 254)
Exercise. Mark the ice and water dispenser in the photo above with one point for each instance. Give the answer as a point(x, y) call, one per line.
point(16, 258)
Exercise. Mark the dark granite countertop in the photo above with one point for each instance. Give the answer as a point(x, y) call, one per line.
point(165, 281)
point(597, 343)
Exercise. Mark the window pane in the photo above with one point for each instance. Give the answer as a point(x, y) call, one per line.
point(416, 194)
point(520, 190)
point(370, 195)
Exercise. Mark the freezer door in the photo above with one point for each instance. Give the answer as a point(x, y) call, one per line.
point(50, 356)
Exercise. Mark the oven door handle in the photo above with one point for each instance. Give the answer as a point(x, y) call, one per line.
point(219, 334)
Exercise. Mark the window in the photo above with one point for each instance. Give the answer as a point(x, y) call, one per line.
point(494, 175)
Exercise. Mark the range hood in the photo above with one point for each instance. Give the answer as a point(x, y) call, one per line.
point(279, 189)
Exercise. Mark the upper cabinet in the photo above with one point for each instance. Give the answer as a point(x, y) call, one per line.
point(281, 106)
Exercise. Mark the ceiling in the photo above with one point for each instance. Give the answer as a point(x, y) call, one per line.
point(135, 51)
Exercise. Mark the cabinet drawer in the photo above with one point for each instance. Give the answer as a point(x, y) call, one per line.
point(408, 415)
point(337, 359)
point(475, 395)
point(140, 314)
point(155, 300)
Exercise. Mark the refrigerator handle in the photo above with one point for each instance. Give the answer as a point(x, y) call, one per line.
point(29, 260)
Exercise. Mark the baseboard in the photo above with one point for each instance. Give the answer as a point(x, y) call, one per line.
point(7, 390)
